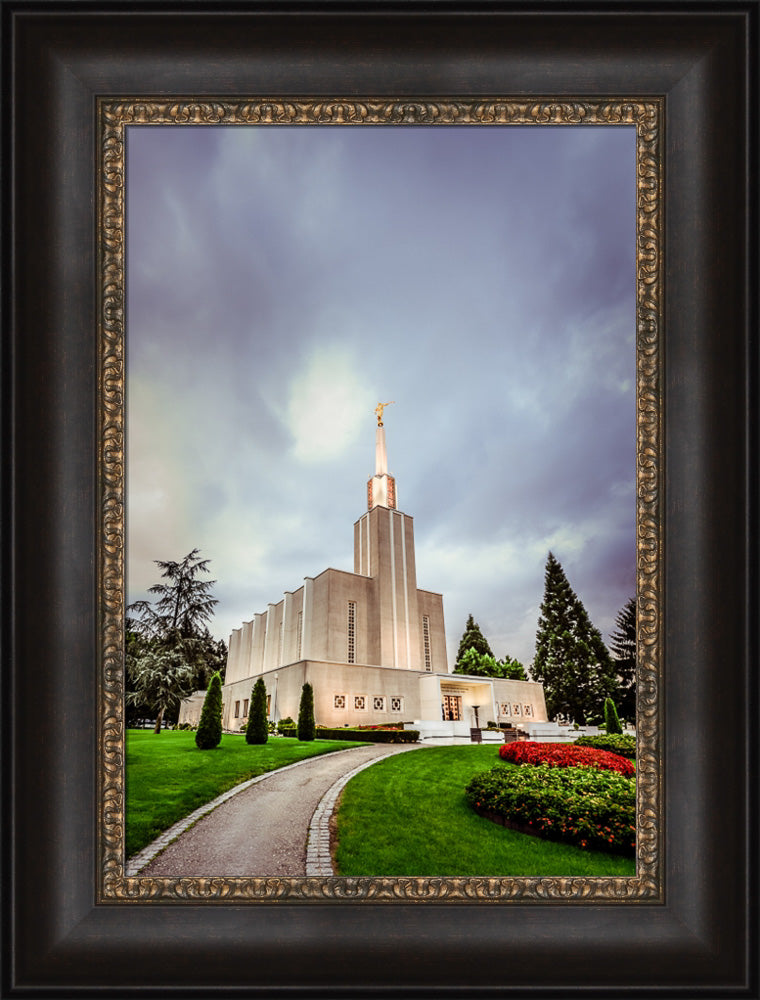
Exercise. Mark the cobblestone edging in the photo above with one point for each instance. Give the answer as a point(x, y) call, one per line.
point(318, 860)
point(138, 861)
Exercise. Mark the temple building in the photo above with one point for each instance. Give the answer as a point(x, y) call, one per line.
point(371, 643)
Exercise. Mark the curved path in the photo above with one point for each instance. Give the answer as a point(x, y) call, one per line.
point(262, 830)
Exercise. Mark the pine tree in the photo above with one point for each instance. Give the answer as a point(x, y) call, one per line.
point(257, 730)
point(623, 645)
point(472, 638)
point(209, 733)
point(611, 720)
point(307, 729)
point(571, 659)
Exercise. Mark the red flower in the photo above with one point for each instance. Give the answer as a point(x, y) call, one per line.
point(564, 755)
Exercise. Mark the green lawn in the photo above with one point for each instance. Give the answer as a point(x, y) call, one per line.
point(408, 816)
point(167, 776)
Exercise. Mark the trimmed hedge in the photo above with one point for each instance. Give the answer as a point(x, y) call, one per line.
point(624, 744)
point(364, 735)
point(562, 755)
point(579, 805)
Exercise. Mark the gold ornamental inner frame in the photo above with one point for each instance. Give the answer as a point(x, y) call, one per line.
point(113, 118)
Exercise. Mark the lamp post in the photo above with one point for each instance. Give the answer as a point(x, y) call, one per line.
point(274, 701)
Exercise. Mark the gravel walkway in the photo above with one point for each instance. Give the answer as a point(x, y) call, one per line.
point(262, 830)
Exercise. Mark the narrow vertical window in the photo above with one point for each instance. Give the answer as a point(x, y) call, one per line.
point(351, 652)
point(299, 634)
point(426, 642)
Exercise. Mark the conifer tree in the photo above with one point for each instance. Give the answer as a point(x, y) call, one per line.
point(611, 720)
point(209, 733)
point(472, 638)
point(623, 645)
point(307, 729)
point(257, 730)
point(571, 659)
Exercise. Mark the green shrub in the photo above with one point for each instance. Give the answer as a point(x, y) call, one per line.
point(209, 734)
point(370, 735)
point(580, 805)
point(306, 726)
point(286, 723)
point(611, 720)
point(620, 743)
point(257, 731)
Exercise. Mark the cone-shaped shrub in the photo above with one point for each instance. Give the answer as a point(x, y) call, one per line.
point(257, 730)
point(209, 734)
point(611, 720)
point(306, 726)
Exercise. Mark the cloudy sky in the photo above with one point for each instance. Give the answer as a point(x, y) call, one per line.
point(283, 280)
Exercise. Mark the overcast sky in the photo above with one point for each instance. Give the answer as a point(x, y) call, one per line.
point(283, 280)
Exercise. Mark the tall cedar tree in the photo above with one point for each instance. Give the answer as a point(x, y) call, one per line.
point(472, 638)
point(623, 645)
point(307, 729)
point(173, 628)
point(209, 733)
point(571, 659)
point(257, 730)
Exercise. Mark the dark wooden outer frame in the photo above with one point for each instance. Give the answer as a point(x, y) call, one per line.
point(58, 59)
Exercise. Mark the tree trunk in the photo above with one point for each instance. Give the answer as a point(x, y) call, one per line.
point(159, 719)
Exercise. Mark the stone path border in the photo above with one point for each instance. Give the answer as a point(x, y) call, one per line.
point(318, 859)
point(138, 861)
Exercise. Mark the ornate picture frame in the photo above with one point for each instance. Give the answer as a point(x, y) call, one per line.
point(647, 117)
point(696, 933)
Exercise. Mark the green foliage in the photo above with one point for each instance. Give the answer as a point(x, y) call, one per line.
point(581, 805)
point(306, 725)
point(257, 730)
point(472, 638)
point(286, 723)
point(369, 735)
point(157, 680)
point(209, 733)
point(611, 720)
point(571, 660)
point(408, 816)
point(623, 646)
point(484, 665)
point(623, 744)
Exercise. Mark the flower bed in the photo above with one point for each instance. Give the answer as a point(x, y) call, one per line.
point(564, 755)
point(584, 806)
point(623, 744)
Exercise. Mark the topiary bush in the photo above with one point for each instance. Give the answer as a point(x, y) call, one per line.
point(209, 734)
point(580, 805)
point(611, 720)
point(564, 755)
point(622, 743)
point(306, 725)
point(257, 730)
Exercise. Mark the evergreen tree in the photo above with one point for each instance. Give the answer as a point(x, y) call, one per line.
point(307, 729)
point(472, 638)
point(623, 645)
point(157, 681)
point(209, 733)
point(257, 730)
point(482, 665)
point(571, 659)
point(611, 720)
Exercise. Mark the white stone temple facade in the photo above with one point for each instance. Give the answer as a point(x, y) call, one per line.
point(371, 643)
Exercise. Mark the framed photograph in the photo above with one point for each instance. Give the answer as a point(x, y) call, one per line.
point(100, 97)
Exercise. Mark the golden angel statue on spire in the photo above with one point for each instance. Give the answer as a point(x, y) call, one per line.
point(379, 411)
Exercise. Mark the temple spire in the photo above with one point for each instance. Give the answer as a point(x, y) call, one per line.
point(381, 488)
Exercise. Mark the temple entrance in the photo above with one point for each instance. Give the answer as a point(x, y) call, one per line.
point(451, 708)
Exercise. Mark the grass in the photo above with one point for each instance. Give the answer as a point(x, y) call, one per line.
point(167, 776)
point(408, 815)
